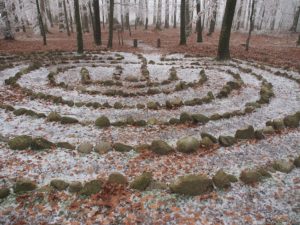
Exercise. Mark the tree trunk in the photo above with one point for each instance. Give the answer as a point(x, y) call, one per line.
point(8, 34)
point(159, 9)
point(111, 24)
point(85, 20)
point(167, 14)
point(49, 13)
point(147, 15)
point(97, 29)
point(61, 18)
point(298, 42)
point(103, 16)
point(213, 20)
point(251, 24)
point(122, 15)
point(239, 15)
point(223, 49)
point(187, 18)
point(296, 19)
point(66, 18)
point(92, 17)
point(71, 17)
point(182, 23)
point(199, 25)
point(175, 14)
point(41, 24)
point(78, 27)
point(154, 13)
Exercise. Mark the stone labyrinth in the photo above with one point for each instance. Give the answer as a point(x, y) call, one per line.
point(122, 138)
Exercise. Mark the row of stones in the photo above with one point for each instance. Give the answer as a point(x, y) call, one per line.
point(185, 145)
point(191, 185)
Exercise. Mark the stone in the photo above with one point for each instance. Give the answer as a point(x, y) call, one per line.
point(152, 105)
point(20, 142)
point(221, 179)
point(117, 178)
point(212, 138)
point(103, 147)
point(140, 106)
point(4, 192)
point(199, 118)
point(68, 120)
point(160, 147)
point(141, 182)
point(118, 105)
point(119, 147)
point(53, 117)
point(41, 144)
point(291, 121)
point(297, 162)
point(24, 185)
point(185, 117)
point(259, 134)
point(85, 148)
point(246, 133)
point(268, 130)
point(65, 145)
point(75, 187)
point(140, 123)
point(192, 185)
point(92, 187)
point(174, 103)
point(174, 121)
point(156, 185)
point(250, 176)
point(227, 141)
point(102, 122)
point(215, 117)
point(188, 145)
point(19, 112)
point(153, 121)
point(278, 124)
point(206, 142)
point(283, 166)
point(59, 185)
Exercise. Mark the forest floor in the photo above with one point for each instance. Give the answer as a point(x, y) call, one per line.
point(275, 49)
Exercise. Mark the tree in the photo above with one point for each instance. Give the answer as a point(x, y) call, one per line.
point(167, 14)
point(182, 23)
point(296, 19)
point(78, 27)
point(213, 20)
point(41, 24)
point(159, 8)
point(175, 14)
point(147, 15)
point(251, 24)
point(199, 25)
point(298, 42)
point(8, 34)
point(66, 18)
point(223, 49)
point(111, 24)
point(154, 12)
point(97, 32)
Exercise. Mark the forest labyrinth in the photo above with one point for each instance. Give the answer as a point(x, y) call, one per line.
point(125, 137)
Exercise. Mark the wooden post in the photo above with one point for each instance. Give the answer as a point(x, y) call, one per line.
point(135, 43)
point(158, 43)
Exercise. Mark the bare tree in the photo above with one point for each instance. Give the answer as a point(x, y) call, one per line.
point(97, 29)
point(85, 19)
point(159, 9)
point(175, 14)
point(111, 24)
point(66, 18)
point(199, 25)
point(61, 24)
point(298, 42)
point(182, 23)
point(213, 20)
point(296, 19)
point(154, 12)
point(41, 24)
point(167, 14)
point(251, 24)
point(8, 34)
point(223, 49)
point(147, 15)
point(78, 27)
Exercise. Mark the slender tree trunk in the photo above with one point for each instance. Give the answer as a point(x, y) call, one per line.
point(103, 15)
point(71, 17)
point(49, 13)
point(296, 19)
point(147, 15)
point(92, 17)
point(61, 18)
point(78, 27)
point(97, 33)
point(213, 20)
point(251, 24)
point(111, 24)
point(122, 15)
point(154, 13)
point(199, 25)
point(85, 20)
point(159, 9)
point(182, 23)
point(223, 49)
point(298, 42)
point(41, 24)
point(167, 14)
point(187, 18)
point(66, 18)
point(8, 34)
point(175, 14)
point(239, 15)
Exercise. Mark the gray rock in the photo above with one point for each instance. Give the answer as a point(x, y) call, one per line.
point(161, 147)
point(227, 141)
point(103, 147)
point(188, 145)
point(85, 148)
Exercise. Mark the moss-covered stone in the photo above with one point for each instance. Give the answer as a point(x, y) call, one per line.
point(119, 147)
point(75, 187)
point(24, 185)
point(246, 133)
point(118, 105)
point(53, 117)
point(102, 122)
point(4, 192)
point(278, 124)
point(291, 121)
point(174, 103)
point(140, 123)
point(206, 142)
point(41, 144)
point(174, 121)
point(268, 130)
point(141, 182)
point(68, 120)
point(153, 105)
point(85, 148)
point(160, 147)
point(65, 145)
point(259, 134)
point(117, 178)
point(250, 176)
point(185, 117)
point(215, 117)
point(19, 112)
point(59, 185)
point(85, 76)
point(103, 147)
point(283, 166)
point(200, 119)
point(188, 145)
point(192, 185)
point(227, 141)
point(221, 179)
point(91, 187)
point(212, 138)
point(20, 142)
point(297, 162)
point(140, 106)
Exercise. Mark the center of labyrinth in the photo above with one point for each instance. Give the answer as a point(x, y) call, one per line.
point(173, 123)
